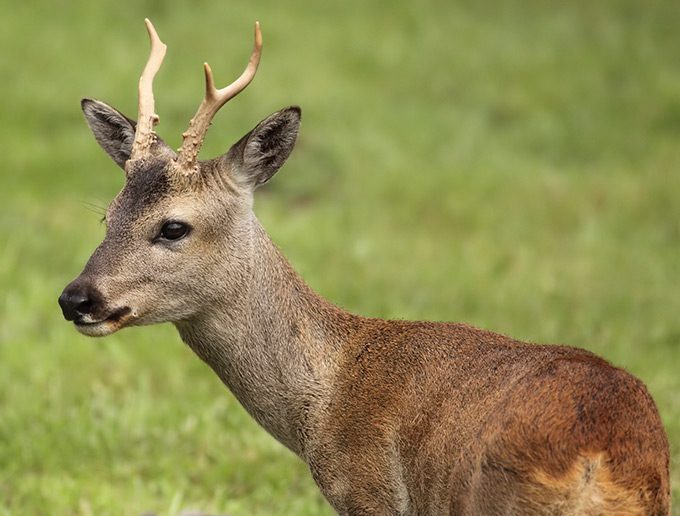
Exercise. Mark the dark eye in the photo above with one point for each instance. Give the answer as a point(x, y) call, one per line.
point(174, 230)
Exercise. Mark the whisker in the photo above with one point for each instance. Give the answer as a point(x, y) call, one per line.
point(94, 208)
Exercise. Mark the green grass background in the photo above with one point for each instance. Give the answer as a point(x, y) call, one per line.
point(512, 164)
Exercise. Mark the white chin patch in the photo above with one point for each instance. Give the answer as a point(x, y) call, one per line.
point(115, 322)
point(99, 329)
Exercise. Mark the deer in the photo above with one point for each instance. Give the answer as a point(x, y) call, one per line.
point(390, 416)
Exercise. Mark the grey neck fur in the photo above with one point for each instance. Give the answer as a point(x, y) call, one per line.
point(274, 342)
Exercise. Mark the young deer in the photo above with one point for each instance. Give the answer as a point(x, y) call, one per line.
point(392, 417)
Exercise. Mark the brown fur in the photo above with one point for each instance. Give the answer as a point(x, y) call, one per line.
point(392, 417)
point(476, 423)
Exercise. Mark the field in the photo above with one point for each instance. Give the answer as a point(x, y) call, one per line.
point(511, 164)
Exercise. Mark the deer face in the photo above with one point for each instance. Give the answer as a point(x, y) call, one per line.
point(178, 235)
point(175, 243)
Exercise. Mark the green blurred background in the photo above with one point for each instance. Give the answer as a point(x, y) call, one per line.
point(512, 164)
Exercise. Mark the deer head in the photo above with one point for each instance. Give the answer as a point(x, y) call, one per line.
point(178, 235)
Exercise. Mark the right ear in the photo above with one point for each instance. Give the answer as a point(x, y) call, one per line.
point(257, 156)
point(112, 129)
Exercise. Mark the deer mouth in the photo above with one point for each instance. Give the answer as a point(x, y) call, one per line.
point(113, 322)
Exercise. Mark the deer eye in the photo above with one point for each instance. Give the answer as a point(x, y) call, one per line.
point(174, 230)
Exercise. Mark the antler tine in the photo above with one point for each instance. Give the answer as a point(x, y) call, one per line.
point(147, 117)
point(214, 99)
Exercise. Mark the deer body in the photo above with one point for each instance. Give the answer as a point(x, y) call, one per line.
point(392, 417)
point(399, 417)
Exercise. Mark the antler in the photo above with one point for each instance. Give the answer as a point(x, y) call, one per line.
point(214, 99)
point(147, 117)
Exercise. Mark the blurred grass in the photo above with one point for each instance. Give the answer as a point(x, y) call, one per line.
point(512, 164)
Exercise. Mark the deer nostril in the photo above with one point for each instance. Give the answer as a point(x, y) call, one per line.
point(74, 303)
point(82, 304)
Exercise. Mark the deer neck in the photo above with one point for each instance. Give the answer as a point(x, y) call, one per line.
point(274, 342)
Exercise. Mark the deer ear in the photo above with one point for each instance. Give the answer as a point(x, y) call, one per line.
point(259, 154)
point(113, 130)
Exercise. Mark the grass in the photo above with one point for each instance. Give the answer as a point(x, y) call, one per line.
point(511, 164)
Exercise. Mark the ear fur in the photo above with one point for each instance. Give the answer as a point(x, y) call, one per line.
point(257, 156)
point(113, 130)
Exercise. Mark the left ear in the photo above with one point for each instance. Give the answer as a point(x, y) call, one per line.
point(256, 157)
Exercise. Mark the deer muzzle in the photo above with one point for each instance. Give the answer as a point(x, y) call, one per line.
point(84, 305)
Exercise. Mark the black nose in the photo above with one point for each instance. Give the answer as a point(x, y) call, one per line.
point(77, 300)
